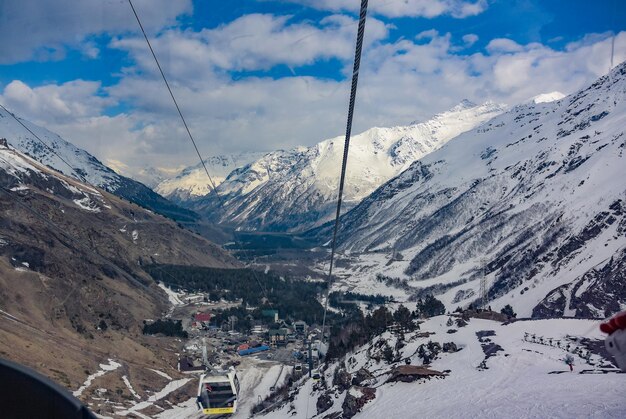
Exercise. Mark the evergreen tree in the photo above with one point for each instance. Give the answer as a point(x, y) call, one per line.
point(379, 320)
point(508, 311)
point(402, 316)
point(430, 307)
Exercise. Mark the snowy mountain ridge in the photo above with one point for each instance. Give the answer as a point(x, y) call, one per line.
point(192, 182)
point(87, 166)
point(19, 171)
point(296, 189)
point(534, 200)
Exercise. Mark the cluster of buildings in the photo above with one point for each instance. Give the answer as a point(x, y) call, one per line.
point(219, 343)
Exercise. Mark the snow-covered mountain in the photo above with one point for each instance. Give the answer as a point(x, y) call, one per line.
point(534, 201)
point(192, 182)
point(297, 189)
point(484, 369)
point(67, 156)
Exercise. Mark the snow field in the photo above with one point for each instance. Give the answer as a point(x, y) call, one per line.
point(524, 380)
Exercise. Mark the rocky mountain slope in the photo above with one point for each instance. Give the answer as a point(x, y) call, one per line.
point(534, 201)
point(87, 166)
point(193, 182)
point(480, 369)
point(73, 293)
point(296, 189)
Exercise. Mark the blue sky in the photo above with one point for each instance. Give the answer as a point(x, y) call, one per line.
point(265, 74)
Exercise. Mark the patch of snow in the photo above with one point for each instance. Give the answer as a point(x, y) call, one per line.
point(161, 373)
point(87, 204)
point(104, 368)
point(173, 296)
point(170, 387)
point(19, 188)
point(130, 387)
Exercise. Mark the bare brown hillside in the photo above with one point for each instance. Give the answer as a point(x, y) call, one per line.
point(72, 290)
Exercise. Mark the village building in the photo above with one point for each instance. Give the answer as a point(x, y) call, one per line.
point(187, 365)
point(278, 337)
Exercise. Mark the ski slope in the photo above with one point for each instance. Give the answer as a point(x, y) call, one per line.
point(524, 380)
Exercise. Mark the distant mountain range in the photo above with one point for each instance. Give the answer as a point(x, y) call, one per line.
point(192, 182)
point(87, 166)
point(534, 201)
point(294, 190)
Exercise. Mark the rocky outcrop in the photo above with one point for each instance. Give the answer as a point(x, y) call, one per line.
point(599, 293)
point(356, 398)
point(324, 402)
point(363, 378)
point(342, 379)
point(411, 373)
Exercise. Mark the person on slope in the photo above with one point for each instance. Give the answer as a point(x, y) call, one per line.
point(569, 361)
point(615, 342)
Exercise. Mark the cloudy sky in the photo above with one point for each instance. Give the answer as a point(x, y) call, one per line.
point(257, 75)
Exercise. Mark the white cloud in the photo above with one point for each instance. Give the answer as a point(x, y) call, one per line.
point(470, 39)
point(43, 29)
point(400, 82)
point(251, 42)
point(56, 103)
point(428, 34)
point(404, 8)
point(500, 45)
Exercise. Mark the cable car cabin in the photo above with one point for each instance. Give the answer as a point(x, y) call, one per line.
point(217, 393)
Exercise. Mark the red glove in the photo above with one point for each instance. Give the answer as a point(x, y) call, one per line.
point(616, 340)
point(617, 322)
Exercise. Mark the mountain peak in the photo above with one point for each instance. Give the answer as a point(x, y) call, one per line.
point(294, 189)
point(464, 104)
point(70, 160)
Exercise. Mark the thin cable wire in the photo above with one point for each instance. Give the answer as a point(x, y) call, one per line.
point(68, 237)
point(173, 98)
point(76, 172)
point(219, 197)
point(81, 177)
point(355, 80)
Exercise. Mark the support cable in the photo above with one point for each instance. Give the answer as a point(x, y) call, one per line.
point(76, 172)
point(69, 238)
point(355, 79)
point(212, 184)
point(173, 98)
